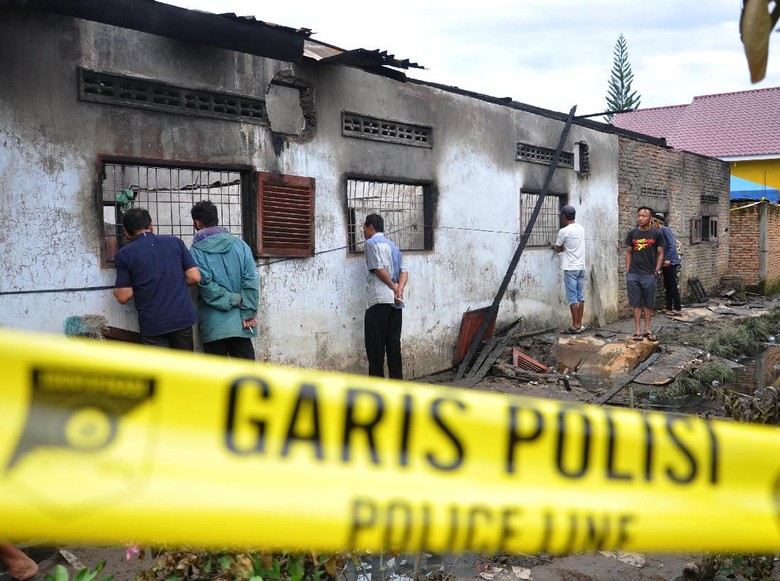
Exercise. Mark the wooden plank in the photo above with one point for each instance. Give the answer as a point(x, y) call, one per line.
point(594, 284)
point(640, 368)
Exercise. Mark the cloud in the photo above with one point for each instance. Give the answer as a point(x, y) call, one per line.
point(548, 53)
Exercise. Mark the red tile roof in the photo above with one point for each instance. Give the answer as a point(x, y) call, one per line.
point(746, 123)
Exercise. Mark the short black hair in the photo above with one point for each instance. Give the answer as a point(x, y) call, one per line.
point(376, 221)
point(648, 208)
point(206, 212)
point(136, 219)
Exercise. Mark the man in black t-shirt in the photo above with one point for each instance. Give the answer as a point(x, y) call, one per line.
point(644, 257)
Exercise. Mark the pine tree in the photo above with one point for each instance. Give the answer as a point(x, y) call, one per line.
point(619, 93)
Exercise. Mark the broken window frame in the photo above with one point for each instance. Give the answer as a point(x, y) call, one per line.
point(406, 206)
point(169, 206)
point(548, 222)
point(704, 229)
point(582, 159)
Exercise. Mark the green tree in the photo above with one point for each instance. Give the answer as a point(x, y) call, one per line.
point(619, 94)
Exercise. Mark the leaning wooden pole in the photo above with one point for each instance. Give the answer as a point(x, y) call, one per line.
point(464, 365)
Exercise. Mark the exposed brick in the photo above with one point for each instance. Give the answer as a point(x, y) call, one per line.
point(686, 177)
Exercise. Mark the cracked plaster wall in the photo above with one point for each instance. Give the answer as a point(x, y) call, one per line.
point(311, 310)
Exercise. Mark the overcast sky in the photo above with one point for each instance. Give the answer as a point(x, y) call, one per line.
point(548, 53)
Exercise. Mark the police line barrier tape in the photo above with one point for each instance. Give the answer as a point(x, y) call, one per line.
point(106, 443)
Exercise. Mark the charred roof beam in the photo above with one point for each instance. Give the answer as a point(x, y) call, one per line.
point(202, 28)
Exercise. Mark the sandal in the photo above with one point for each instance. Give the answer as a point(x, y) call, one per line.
point(636, 337)
point(570, 331)
point(650, 337)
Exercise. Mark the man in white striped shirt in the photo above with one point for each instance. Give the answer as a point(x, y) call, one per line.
point(385, 283)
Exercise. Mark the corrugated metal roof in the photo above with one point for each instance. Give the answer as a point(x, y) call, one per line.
point(305, 32)
point(361, 57)
point(744, 123)
point(224, 31)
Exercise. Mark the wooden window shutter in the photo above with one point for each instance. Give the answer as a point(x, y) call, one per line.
point(285, 215)
point(695, 230)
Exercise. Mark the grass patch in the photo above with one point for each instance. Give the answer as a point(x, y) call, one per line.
point(745, 338)
point(698, 380)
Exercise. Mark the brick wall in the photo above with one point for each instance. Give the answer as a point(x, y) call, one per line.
point(746, 238)
point(772, 284)
point(685, 177)
point(761, 371)
point(744, 235)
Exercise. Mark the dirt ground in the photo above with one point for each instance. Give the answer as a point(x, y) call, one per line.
point(679, 337)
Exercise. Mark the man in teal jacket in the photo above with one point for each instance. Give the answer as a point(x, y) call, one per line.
point(228, 289)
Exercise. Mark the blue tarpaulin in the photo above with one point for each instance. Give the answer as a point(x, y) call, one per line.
point(742, 189)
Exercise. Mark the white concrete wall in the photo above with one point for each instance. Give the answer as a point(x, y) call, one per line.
point(311, 310)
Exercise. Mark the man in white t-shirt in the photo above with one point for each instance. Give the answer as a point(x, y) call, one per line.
point(571, 242)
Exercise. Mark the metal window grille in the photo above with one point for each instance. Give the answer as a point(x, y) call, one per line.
point(544, 155)
point(653, 192)
point(404, 208)
point(361, 126)
point(142, 93)
point(168, 193)
point(548, 222)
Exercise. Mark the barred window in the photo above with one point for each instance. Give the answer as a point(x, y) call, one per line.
point(169, 194)
point(548, 222)
point(406, 209)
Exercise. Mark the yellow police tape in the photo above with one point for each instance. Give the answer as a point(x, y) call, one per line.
point(104, 443)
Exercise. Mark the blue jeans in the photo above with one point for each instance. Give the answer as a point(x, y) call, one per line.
point(574, 280)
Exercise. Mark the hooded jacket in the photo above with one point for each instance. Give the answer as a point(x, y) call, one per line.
point(229, 288)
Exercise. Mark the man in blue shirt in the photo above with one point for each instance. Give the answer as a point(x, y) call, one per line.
point(671, 266)
point(156, 271)
point(385, 285)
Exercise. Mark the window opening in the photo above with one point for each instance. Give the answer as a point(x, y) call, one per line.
point(364, 127)
point(709, 227)
point(548, 222)
point(544, 155)
point(705, 226)
point(582, 159)
point(168, 193)
point(143, 93)
point(406, 209)
point(653, 192)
